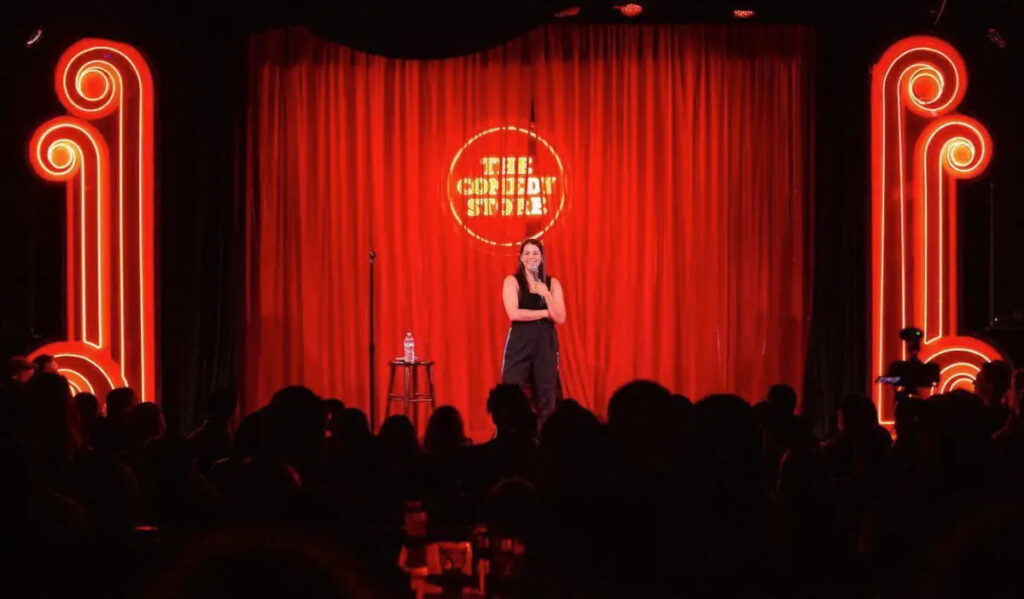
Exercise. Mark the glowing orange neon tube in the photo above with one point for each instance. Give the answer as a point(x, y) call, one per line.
point(919, 149)
point(111, 313)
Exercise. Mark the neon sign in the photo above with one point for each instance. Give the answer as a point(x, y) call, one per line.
point(920, 149)
point(506, 184)
point(103, 152)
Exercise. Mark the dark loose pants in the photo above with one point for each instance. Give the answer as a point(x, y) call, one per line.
point(531, 356)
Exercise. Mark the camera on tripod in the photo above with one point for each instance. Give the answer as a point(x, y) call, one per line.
point(910, 375)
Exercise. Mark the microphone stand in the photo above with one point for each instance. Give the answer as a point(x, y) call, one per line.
point(373, 399)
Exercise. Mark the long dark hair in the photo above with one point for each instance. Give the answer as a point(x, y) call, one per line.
point(445, 434)
point(521, 270)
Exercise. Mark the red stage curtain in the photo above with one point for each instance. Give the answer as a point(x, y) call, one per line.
point(683, 250)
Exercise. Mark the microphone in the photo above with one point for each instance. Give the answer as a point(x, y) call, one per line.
point(535, 272)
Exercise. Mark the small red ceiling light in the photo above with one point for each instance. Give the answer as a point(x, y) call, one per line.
point(630, 10)
point(743, 13)
point(572, 11)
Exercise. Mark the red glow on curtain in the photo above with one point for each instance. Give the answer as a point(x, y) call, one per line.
point(683, 248)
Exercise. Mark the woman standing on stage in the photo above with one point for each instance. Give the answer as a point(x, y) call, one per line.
point(535, 304)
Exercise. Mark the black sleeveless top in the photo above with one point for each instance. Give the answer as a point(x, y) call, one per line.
point(527, 300)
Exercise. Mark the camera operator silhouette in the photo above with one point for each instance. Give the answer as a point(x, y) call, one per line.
point(910, 375)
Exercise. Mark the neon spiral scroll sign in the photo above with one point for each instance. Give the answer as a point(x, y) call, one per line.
point(103, 151)
point(920, 149)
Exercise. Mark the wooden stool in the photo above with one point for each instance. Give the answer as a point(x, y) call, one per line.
point(410, 395)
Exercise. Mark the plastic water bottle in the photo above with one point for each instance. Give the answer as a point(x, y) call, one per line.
point(409, 348)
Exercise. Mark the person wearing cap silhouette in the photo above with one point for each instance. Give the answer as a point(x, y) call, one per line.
point(45, 363)
point(912, 374)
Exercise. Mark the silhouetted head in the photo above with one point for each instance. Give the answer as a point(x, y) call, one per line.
point(636, 405)
point(783, 397)
point(120, 402)
point(45, 363)
point(350, 428)
point(145, 422)
point(333, 407)
point(88, 406)
point(954, 435)
point(647, 425)
point(727, 441)
point(445, 433)
point(511, 412)
point(573, 445)
point(912, 336)
point(568, 424)
point(500, 398)
point(294, 426)
point(398, 437)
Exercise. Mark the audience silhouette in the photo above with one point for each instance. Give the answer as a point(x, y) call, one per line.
point(666, 498)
